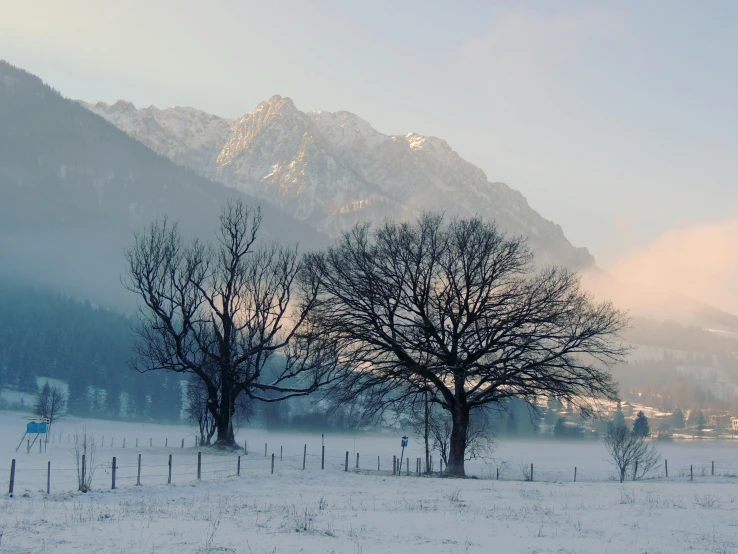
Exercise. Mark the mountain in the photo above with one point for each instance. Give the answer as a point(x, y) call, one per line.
point(74, 189)
point(332, 170)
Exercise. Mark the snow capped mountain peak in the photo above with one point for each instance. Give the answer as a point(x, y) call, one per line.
point(332, 169)
point(119, 106)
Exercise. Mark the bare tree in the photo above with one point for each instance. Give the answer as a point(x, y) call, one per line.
point(222, 312)
point(630, 451)
point(458, 307)
point(421, 414)
point(197, 411)
point(85, 455)
point(50, 402)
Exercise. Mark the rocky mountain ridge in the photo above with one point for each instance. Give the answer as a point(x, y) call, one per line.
point(333, 169)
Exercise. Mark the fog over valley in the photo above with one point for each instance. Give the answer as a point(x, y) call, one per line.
point(350, 278)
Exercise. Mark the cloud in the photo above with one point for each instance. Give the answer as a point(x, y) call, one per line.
point(699, 262)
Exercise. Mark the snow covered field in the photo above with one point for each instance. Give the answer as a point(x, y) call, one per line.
point(363, 511)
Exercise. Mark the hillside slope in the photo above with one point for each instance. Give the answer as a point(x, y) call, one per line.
point(75, 188)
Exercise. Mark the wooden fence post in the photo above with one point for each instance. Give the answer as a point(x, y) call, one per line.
point(531, 472)
point(136, 442)
point(272, 463)
point(199, 465)
point(407, 465)
point(238, 466)
point(377, 463)
point(304, 455)
point(575, 474)
point(666, 467)
point(182, 444)
point(691, 475)
point(357, 460)
point(124, 443)
point(169, 477)
point(245, 448)
point(138, 474)
point(114, 468)
point(322, 458)
point(394, 465)
point(712, 471)
point(346, 466)
point(635, 470)
point(280, 453)
point(166, 443)
point(12, 477)
point(265, 450)
point(151, 442)
point(48, 478)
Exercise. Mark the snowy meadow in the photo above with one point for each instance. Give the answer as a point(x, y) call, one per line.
point(360, 510)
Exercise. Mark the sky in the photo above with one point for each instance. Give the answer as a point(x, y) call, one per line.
point(617, 120)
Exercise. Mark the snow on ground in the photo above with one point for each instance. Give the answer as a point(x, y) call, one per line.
point(365, 511)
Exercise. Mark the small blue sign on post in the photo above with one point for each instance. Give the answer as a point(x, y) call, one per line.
point(402, 455)
point(37, 427)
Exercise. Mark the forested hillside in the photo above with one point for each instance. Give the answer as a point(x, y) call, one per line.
point(49, 335)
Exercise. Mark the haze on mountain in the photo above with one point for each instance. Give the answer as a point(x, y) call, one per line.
point(75, 189)
point(333, 169)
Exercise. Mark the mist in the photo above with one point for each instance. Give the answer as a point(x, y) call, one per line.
point(687, 274)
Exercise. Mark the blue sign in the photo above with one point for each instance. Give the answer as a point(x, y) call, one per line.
point(36, 427)
point(404, 442)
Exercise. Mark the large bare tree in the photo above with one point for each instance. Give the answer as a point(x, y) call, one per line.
point(227, 313)
point(458, 307)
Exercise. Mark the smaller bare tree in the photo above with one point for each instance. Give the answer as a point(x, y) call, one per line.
point(197, 410)
point(630, 450)
point(200, 415)
point(479, 437)
point(50, 402)
point(85, 454)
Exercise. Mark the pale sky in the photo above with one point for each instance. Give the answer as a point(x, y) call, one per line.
point(617, 120)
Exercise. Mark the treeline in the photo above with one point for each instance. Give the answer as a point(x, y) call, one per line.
point(49, 335)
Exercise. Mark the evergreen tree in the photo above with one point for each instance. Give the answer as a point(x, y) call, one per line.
point(641, 427)
point(564, 431)
point(677, 419)
point(619, 419)
point(553, 407)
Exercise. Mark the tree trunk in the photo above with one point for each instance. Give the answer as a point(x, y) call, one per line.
point(226, 437)
point(427, 433)
point(457, 448)
point(224, 419)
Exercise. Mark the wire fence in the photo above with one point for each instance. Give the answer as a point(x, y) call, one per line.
point(152, 465)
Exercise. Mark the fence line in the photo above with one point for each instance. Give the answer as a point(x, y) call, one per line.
point(195, 468)
point(187, 465)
